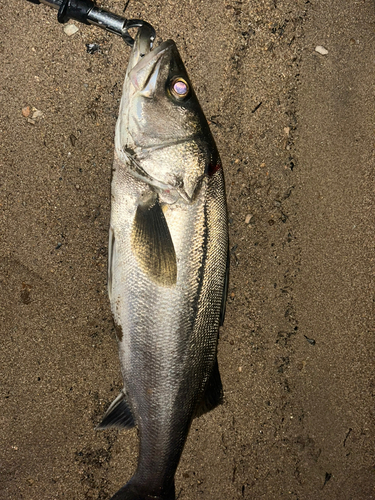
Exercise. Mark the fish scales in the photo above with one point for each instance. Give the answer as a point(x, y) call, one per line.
point(167, 264)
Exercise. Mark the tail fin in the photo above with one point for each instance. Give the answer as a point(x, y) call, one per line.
point(133, 491)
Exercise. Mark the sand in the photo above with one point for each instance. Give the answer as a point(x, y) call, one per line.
point(295, 128)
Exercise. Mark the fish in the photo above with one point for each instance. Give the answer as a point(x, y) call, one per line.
point(167, 264)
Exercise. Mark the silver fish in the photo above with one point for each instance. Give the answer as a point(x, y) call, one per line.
point(168, 249)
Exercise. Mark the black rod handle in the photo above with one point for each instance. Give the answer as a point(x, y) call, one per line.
point(85, 12)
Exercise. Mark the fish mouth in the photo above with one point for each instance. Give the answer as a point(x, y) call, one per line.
point(145, 62)
point(143, 45)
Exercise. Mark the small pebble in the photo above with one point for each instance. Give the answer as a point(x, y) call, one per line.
point(310, 341)
point(70, 29)
point(26, 111)
point(240, 369)
point(321, 50)
point(36, 114)
point(248, 218)
point(91, 48)
point(287, 130)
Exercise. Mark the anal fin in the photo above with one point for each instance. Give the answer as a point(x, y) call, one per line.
point(118, 415)
point(213, 393)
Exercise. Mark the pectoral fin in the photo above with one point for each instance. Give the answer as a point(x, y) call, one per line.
point(152, 244)
point(118, 415)
point(213, 393)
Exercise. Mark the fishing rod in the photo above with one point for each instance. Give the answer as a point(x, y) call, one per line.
point(86, 12)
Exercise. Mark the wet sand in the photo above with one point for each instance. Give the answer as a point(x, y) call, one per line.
point(295, 129)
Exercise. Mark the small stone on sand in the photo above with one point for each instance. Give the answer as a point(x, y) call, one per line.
point(36, 114)
point(70, 29)
point(321, 50)
point(26, 111)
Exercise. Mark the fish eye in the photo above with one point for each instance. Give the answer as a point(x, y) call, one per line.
point(179, 88)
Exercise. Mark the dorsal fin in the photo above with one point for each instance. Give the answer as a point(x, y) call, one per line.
point(225, 291)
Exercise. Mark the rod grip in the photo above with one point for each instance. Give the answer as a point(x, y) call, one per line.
point(75, 9)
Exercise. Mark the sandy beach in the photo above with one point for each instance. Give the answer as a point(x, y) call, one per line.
point(288, 89)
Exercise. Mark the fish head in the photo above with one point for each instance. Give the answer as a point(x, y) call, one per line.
point(161, 126)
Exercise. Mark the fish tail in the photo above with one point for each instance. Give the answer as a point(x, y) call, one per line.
point(133, 491)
